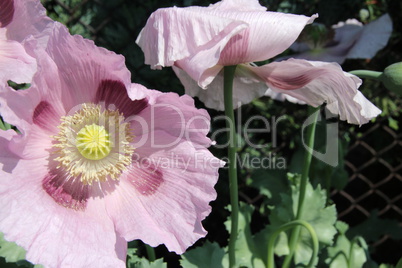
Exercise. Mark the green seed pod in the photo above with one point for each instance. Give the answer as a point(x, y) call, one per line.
point(392, 78)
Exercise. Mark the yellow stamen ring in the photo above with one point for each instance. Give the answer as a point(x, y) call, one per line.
point(93, 144)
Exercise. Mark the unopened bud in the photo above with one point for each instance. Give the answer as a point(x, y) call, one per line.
point(392, 78)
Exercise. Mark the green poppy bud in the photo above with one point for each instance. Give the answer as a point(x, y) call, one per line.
point(392, 78)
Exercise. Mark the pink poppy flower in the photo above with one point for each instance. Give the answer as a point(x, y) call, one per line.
point(100, 161)
point(199, 41)
point(346, 40)
point(19, 20)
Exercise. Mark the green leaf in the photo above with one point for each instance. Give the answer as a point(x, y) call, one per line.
point(320, 172)
point(208, 255)
point(14, 253)
point(392, 123)
point(134, 261)
point(373, 228)
point(270, 182)
point(4, 125)
point(339, 254)
point(11, 251)
point(144, 263)
point(315, 212)
point(246, 247)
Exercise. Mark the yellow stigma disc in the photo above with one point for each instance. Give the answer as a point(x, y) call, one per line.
point(93, 142)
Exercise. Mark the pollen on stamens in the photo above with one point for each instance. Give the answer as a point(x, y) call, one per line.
point(93, 144)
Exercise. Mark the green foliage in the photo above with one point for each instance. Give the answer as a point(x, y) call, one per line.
point(134, 261)
point(246, 244)
point(4, 125)
point(270, 183)
point(321, 217)
point(208, 255)
point(345, 253)
point(374, 228)
point(11, 252)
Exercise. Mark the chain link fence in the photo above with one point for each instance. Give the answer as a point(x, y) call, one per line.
point(373, 161)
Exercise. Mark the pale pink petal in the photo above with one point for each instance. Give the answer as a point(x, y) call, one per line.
point(245, 88)
point(201, 40)
point(165, 194)
point(281, 96)
point(374, 37)
point(137, 91)
point(175, 115)
point(268, 34)
point(55, 236)
point(82, 66)
point(316, 83)
point(178, 33)
point(36, 113)
point(29, 19)
point(352, 40)
point(15, 64)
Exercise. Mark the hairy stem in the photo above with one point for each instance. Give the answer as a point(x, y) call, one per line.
point(293, 224)
point(366, 74)
point(229, 72)
point(314, 112)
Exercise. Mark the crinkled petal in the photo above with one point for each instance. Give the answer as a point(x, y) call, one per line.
point(245, 88)
point(55, 236)
point(174, 115)
point(178, 33)
point(374, 37)
point(200, 40)
point(15, 64)
point(29, 19)
point(352, 40)
point(165, 194)
point(81, 67)
point(281, 96)
point(316, 83)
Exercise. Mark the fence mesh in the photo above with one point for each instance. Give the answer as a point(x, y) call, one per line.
point(373, 160)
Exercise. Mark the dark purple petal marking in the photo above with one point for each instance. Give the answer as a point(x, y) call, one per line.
point(67, 191)
point(296, 81)
point(6, 12)
point(114, 93)
point(45, 116)
point(145, 177)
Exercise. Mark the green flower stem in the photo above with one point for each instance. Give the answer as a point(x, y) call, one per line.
point(293, 224)
point(229, 72)
point(303, 184)
point(366, 74)
point(150, 253)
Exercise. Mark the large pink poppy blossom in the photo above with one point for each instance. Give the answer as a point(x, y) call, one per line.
point(20, 20)
point(99, 161)
point(347, 40)
point(199, 41)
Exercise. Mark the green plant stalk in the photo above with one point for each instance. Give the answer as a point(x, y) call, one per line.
point(229, 72)
point(293, 224)
point(150, 253)
point(366, 74)
point(303, 184)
